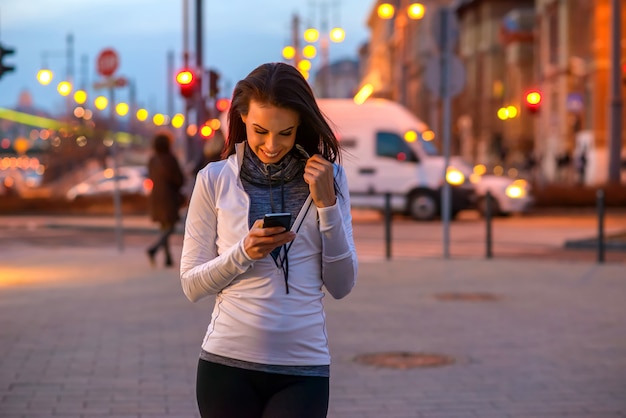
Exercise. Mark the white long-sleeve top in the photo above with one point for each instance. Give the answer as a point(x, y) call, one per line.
point(254, 319)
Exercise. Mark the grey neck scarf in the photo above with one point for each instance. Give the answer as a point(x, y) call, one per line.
point(254, 171)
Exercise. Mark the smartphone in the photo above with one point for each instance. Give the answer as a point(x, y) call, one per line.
point(277, 219)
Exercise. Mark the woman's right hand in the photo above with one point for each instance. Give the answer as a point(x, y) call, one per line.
point(261, 241)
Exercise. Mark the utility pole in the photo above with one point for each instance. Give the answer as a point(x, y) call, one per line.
point(615, 140)
point(188, 139)
point(295, 36)
point(199, 96)
point(170, 83)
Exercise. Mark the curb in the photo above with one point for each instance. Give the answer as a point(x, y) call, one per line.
point(592, 243)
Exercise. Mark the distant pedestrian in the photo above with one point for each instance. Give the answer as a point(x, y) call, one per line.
point(581, 165)
point(166, 198)
point(265, 353)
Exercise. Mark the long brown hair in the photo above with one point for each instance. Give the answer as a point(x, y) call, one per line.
point(281, 85)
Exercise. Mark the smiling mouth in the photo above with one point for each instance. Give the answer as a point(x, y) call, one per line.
point(271, 155)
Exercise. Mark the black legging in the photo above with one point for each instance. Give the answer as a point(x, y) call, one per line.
point(231, 392)
point(163, 242)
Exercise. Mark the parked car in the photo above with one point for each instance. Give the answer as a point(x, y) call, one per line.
point(12, 183)
point(131, 180)
point(508, 195)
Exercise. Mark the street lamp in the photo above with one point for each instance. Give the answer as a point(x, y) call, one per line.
point(311, 36)
point(80, 96)
point(44, 76)
point(64, 88)
point(414, 11)
point(402, 12)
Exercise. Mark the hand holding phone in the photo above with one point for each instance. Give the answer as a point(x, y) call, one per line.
point(277, 219)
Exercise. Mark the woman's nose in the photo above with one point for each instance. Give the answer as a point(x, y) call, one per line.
point(271, 143)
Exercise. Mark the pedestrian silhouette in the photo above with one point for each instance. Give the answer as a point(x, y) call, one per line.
point(165, 198)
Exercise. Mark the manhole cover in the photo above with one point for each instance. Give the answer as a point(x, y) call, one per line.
point(474, 297)
point(404, 360)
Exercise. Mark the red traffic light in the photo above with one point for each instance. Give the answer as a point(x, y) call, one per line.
point(187, 81)
point(184, 77)
point(533, 101)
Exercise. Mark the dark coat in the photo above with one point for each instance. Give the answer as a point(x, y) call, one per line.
point(167, 180)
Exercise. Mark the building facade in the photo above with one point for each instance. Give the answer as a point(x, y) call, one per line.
point(574, 65)
point(557, 48)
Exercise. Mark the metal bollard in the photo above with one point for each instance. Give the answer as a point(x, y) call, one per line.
point(600, 209)
point(488, 241)
point(388, 225)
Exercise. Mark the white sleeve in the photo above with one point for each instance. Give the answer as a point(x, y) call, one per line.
point(202, 271)
point(339, 259)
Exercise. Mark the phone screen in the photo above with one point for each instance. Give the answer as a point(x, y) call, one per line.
point(277, 219)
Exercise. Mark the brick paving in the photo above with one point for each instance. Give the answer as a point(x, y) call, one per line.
point(95, 332)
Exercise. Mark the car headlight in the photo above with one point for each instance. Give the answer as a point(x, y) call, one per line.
point(515, 191)
point(454, 176)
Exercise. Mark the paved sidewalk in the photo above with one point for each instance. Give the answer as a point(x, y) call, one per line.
point(95, 332)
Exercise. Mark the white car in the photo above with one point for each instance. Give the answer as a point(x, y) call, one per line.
point(131, 180)
point(509, 195)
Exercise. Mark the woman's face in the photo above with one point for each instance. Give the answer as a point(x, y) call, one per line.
point(271, 131)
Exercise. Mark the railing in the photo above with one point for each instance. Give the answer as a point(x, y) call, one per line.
point(388, 216)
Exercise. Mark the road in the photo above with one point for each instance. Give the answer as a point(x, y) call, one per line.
point(88, 331)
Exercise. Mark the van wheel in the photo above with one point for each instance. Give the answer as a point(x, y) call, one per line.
point(423, 206)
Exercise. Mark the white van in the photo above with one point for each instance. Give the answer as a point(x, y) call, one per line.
point(384, 152)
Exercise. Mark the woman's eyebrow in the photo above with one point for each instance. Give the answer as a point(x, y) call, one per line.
point(284, 130)
point(287, 129)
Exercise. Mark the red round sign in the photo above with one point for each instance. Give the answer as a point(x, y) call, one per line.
point(107, 62)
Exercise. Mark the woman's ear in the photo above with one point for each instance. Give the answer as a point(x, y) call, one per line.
point(243, 118)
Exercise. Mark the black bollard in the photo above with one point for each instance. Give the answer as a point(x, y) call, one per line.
point(388, 225)
point(488, 224)
point(600, 208)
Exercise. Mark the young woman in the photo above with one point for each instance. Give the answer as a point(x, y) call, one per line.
point(265, 352)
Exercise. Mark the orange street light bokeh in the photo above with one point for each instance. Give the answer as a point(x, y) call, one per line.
point(44, 76)
point(289, 52)
point(416, 11)
point(101, 102)
point(64, 88)
point(309, 51)
point(80, 96)
point(311, 35)
point(385, 11)
point(121, 109)
point(337, 35)
point(142, 115)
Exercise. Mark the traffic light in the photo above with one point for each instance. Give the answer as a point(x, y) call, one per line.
point(214, 79)
point(187, 81)
point(533, 101)
point(5, 68)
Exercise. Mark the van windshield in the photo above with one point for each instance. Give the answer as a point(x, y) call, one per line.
point(429, 146)
point(392, 145)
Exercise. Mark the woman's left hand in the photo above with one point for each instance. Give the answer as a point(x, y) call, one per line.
point(318, 174)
